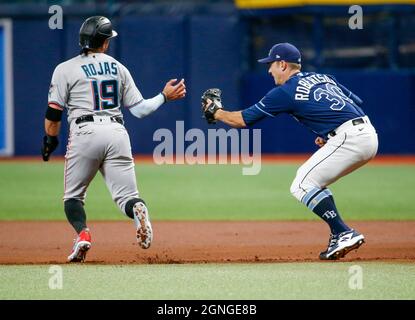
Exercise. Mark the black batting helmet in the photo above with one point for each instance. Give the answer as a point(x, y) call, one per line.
point(94, 31)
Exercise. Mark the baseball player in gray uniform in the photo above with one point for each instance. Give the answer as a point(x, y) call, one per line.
point(93, 87)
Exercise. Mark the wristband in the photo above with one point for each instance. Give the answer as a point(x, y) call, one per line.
point(164, 96)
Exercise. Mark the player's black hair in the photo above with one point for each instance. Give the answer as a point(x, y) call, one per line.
point(84, 51)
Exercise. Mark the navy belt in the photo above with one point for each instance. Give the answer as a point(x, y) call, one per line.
point(90, 118)
point(355, 122)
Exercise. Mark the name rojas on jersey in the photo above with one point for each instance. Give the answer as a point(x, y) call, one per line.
point(302, 92)
point(104, 68)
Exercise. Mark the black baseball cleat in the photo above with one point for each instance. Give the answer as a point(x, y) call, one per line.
point(341, 244)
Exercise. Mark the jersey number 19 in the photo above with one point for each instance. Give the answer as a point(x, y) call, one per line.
point(105, 94)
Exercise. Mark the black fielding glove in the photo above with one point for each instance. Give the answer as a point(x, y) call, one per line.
point(211, 102)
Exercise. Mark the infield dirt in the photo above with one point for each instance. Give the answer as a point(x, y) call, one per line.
point(201, 242)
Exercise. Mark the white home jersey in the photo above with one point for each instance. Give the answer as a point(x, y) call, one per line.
point(95, 84)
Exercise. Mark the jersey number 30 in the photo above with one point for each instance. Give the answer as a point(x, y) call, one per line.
point(105, 94)
point(333, 94)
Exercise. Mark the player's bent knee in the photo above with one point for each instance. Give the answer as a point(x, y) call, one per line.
point(296, 191)
point(301, 186)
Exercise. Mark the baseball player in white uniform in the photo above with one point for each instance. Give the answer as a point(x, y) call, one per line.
point(93, 87)
point(345, 135)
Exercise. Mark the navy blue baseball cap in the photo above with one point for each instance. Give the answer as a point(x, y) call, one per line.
point(283, 51)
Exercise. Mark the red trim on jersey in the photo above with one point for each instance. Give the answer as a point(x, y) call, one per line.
point(55, 105)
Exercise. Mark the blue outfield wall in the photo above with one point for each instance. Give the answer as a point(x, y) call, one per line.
point(153, 49)
point(35, 55)
point(206, 50)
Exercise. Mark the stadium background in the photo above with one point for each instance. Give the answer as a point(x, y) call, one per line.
point(216, 44)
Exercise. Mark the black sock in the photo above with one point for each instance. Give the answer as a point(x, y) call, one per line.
point(130, 205)
point(326, 209)
point(75, 213)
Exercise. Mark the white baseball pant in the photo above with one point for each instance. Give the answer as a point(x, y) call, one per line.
point(350, 148)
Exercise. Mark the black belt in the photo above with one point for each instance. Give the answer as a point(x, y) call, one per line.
point(355, 122)
point(90, 118)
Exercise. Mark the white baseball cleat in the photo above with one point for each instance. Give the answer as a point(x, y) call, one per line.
point(342, 244)
point(144, 229)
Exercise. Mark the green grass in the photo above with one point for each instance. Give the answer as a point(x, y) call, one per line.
point(212, 281)
point(33, 191)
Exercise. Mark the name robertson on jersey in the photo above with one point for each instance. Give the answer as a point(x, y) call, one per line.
point(302, 92)
point(92, 69)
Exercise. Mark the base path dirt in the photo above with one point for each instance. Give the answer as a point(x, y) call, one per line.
point(201, 242)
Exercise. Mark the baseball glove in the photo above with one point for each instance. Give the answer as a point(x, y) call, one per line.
point(211, 102)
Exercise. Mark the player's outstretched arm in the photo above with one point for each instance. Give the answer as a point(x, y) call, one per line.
point(231, 118)
point(170, 92)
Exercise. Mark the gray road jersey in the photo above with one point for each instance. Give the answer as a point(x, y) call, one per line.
point(94, 84)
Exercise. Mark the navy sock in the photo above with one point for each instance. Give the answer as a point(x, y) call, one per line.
point(326, 210)
point(75, 214)
point(321, 202)
point(130, 205)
